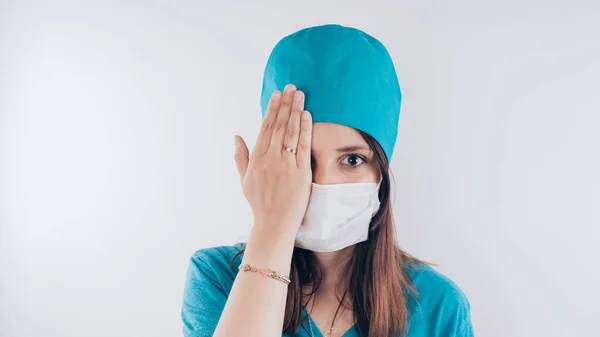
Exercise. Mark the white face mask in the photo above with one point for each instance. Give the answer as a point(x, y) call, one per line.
point(338, 216)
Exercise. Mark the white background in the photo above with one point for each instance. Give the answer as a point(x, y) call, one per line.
point(116, 159)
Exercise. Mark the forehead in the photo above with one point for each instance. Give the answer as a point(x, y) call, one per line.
point(330, 137)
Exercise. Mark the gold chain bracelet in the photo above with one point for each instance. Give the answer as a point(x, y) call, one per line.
point(266, 272)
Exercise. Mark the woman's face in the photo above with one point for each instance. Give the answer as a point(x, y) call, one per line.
point(340, 155)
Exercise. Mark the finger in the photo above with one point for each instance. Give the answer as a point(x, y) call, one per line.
point(241, 156)
point(304, 141)
point(282, 119)
point(266, 129)
point(293, 128)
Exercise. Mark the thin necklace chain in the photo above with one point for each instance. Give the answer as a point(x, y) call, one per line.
point(328, 334)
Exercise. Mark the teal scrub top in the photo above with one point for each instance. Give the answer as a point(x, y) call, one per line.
point(441, 310)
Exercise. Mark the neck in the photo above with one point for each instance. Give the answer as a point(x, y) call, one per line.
point(333, 264)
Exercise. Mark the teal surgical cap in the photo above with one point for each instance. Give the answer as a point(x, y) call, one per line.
point(348, 78)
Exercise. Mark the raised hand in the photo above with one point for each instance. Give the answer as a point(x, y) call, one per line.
point(276, 178)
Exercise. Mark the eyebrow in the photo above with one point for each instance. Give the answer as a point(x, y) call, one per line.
point(353, 148)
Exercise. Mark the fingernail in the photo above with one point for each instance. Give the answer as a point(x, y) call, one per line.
point(235, 141)
point(288, 88)
point(276, 95)
point(298, 96)
point(306, 115)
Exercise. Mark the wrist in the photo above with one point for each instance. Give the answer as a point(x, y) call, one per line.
point(282, 230)
point(266, 249)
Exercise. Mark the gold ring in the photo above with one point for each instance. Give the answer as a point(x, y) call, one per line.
point(290, 150)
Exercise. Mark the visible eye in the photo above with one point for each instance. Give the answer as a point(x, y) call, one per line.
point(353, 160)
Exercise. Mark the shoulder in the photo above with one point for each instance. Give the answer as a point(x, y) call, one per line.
point(217, 263)
point(439, 303)
point(218, 255)
point(433, 286)
point(212, 270)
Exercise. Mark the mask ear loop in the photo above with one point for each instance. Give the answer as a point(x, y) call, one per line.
point(379, 184)
point(377, 197)
point(379, 201)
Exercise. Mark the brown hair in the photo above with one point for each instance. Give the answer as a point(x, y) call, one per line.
point(375, 275)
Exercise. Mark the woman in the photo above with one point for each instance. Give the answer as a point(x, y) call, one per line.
point(322, 258)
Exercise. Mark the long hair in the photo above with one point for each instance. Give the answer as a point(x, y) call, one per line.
point(375, 275)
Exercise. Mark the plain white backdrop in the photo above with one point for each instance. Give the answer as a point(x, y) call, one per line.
point(116, 159)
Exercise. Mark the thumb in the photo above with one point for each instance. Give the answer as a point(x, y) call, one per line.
point(241, 156)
